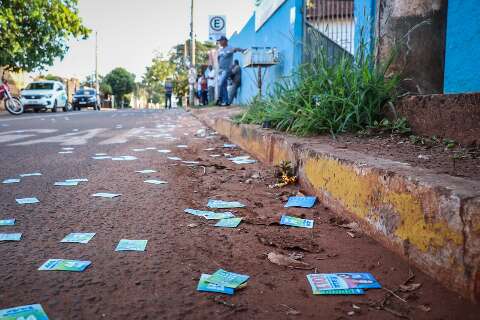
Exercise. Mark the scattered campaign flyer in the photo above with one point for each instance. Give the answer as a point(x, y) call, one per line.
point(64, 265)
point(209, 149)
point(124, 158)
point(65, 152)
point(182, 146)
point(77, 180)
point(229, 146)
point(205, 286)
point(157, 182)
point(101, 157)
point(146, 171)
point(301, 202)
point(296, 222)
point(30, 312)
point(342, 283)
point(229, 223)
point(106, 195)
point(138, 150)
point(10, 181)
point(220, 204)
point(215, 155)
point(227, 279)
point(78, 238)
point(35, 174)
point(191, 162)
point(68, 149)
point(244, 161)
point(66, 183)
point(175, 158)
point(164, 151)
point(199, 213)
point(151, 148)
point(131, 245)
point(219, 215)
point(239, 158)
point(100, 154)
point(7, 222)
point(27, 200)
point(10, 236)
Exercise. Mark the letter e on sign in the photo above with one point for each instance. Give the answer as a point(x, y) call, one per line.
point(217, 27)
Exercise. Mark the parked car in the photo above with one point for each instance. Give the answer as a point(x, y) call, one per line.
point(85, 98)
point(45, 95)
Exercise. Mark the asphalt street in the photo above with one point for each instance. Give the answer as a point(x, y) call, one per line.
point(161, 282)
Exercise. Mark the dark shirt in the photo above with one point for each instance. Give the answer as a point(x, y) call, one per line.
point(168, 87)
point(236, 74)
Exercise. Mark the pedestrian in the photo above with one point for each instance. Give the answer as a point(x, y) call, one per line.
point(199, 89)
point(236, 76)
point(225, 61)
point(211, 82)
point(204, 85)
point(168, 93)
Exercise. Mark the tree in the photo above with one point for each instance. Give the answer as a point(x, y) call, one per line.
point(121, 83)
point(155, 76)
point(53, 78)
point(35, 32)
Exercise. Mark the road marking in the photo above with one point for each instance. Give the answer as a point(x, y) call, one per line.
point(70, 139)
point(11, 136)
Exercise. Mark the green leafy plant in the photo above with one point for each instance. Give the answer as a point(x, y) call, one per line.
point(326, 96)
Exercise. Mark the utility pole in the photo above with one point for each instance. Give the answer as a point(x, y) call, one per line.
point(97, 86)
point(192, 35)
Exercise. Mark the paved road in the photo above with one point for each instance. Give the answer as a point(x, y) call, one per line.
point(160, 283)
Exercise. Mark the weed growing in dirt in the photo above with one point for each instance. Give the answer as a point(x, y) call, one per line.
point(324, 97)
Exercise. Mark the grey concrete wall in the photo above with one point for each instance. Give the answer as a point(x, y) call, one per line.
point(420, 27)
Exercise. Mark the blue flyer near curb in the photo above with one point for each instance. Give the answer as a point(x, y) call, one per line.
point(296, 222)
point(220, 204)
point(301, 202)
point(229, 223)
point(342, 283)
point(7, 222)
point(205, 286)
point(131, 245)
point(30, 312)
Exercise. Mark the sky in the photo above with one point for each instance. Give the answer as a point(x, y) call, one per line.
point(130, 32)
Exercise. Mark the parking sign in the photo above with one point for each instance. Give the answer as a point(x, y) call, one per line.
point(217, 26)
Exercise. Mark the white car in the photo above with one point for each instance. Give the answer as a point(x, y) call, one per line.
point(48, 95)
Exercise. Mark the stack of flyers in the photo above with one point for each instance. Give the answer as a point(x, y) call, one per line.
point(296, 222)
point(65, 265)
point(34, 311)
point(203, 285)
point(301, 202)
point(342, 283)
point(222, 282)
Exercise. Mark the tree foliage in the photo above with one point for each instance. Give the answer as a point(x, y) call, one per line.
point(154, 78)
point(121, 83)
point(35, 32)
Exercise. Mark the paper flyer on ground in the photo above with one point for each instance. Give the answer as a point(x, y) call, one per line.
point(77, 180)
point(164, 151)
point(131, 245)
point(65, 265)
point(30, 312)
point(227, 279)
point(10, 181)
point(220, 204)
point(66, 183)
point(296, 222)
point(147, 171)
point(219, 215)
point(301, 202)
point(27, 200)
point(106, 195)
point(35, 174)
point(342, 283)
point(229, 223)
point(78, 238)
point(205, 286)
point(155, 182)
point(7, 222)
point(10, 236)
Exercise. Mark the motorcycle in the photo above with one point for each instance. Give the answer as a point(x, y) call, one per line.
point(12, 104)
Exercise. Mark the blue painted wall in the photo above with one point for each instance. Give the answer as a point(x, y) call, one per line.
point(364, 11)
point(462, 56)
point(283, 31)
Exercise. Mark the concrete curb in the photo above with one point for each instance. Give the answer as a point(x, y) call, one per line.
point(430, 219)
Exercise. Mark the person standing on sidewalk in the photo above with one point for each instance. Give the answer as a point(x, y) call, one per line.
point(168, 93)
point(236, 75)
point(225, 61)
point(211, 82)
